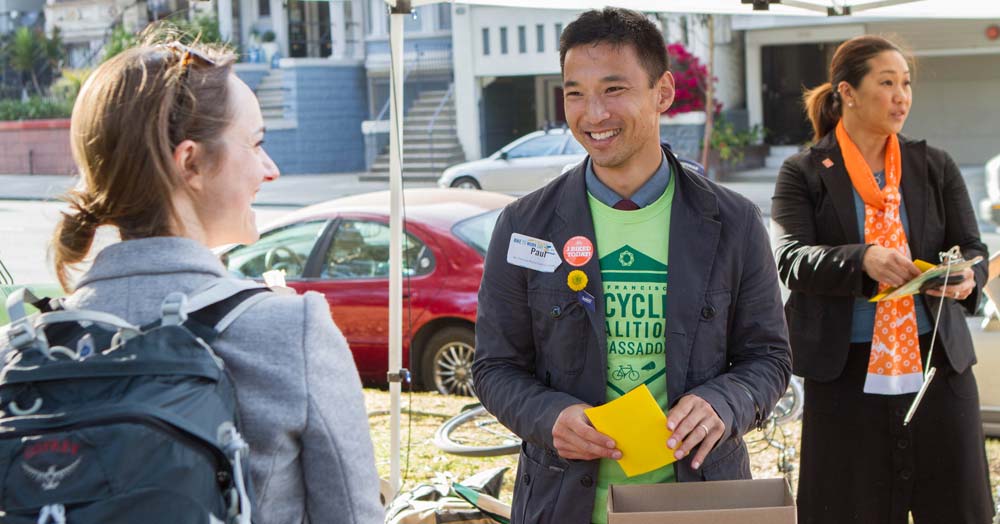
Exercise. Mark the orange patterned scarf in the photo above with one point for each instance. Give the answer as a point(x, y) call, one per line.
point(894, 367)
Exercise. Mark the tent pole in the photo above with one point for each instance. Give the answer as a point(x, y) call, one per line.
point(397, 17)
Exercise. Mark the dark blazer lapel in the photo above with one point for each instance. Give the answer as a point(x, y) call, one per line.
point(838, 184)
point(914, 187)
point(574, 219)
point(694, 238)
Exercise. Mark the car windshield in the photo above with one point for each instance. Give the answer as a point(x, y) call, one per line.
point(540, 146)
point(476, 231)
point(286, 248)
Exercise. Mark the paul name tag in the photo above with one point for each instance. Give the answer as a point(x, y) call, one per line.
point(532, 253)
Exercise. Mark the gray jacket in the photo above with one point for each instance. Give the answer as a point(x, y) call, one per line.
point(538, 351)
point(303, 413)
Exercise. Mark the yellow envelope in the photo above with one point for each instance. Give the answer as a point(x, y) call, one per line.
point(639, 428)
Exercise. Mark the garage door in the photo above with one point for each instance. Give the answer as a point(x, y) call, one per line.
point(956, 106)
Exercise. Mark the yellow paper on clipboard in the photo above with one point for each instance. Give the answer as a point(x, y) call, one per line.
point(639, 429)
point(929, 272)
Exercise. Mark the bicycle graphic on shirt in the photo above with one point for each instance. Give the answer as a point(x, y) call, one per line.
point(623, 371)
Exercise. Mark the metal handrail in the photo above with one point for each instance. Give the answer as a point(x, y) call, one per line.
point(385, 107)
point(430, 125)
point(414, 65)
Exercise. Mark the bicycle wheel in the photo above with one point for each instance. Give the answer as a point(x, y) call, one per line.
point(789, 406)
point(475, 433)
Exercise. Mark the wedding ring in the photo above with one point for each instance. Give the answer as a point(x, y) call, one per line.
point(704, 427)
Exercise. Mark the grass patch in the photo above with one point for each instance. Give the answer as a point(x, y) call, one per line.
point(427, 463)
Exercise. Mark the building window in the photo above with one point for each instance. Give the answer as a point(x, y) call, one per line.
point(378, 21)
point(444, 16)
point(503, 40)
point(540, 37)
point(558, 34)
point(522, 39)
point(264, 7)
point(486, 41)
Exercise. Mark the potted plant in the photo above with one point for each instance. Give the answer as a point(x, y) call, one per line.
point(731, 150)
point(268, 45)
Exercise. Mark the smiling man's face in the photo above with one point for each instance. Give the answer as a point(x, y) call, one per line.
point(610, 106)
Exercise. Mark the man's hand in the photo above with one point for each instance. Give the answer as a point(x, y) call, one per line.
point(693, 422)
point(575, 438)
point(888, 266)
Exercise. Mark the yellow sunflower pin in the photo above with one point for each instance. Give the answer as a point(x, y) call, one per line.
point(577, 280)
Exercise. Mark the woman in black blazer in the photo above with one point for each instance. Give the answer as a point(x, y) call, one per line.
point(842, 239)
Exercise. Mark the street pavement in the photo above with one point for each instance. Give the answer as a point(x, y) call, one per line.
point(286, 191)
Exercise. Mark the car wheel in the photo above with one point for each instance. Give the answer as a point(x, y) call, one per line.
point(446, 363)
point(466, 182)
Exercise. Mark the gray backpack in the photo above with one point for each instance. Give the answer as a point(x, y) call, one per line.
point(103, 421)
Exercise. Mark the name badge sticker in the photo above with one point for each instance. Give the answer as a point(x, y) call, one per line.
point(532, 253)
point(578, 251)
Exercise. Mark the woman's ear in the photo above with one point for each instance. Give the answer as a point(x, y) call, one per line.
point(186, 163)
point(846, 93)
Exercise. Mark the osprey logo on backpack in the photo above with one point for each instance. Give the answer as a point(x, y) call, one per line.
point(107, 421)
point(50, 478)
point(52, 453)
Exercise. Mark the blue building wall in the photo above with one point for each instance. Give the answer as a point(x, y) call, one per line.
point(328, 103)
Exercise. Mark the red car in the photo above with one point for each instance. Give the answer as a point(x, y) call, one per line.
point(340, 248)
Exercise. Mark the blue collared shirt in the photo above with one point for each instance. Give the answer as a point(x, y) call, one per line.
point(647, 194)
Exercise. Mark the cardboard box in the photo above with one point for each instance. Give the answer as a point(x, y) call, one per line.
point(764, 501)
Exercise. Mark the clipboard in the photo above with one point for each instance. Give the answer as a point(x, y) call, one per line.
point(930, 272)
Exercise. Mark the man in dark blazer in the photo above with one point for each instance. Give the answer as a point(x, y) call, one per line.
point(542, 349)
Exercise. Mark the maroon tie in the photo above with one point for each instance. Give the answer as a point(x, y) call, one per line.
point(626, 205)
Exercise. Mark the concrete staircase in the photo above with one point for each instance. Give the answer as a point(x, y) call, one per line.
point(271, 94)
point(425, 154)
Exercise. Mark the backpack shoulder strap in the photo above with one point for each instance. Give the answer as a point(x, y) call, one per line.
point(217, 306)
point(16, 304)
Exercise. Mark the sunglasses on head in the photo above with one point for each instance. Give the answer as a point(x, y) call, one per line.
point(188, 55)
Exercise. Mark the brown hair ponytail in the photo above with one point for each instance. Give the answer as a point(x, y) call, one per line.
point(823, 109)
point(74, 235)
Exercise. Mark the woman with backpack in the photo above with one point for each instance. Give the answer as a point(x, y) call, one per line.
point(168, 141)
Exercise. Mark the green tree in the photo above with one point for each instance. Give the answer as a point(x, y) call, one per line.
point(24, 52)
point(30, 53)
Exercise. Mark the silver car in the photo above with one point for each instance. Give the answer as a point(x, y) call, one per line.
point(989, 207)
point(521, 166)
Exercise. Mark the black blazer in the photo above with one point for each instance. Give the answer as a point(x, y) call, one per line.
point(538, 350)
point(820, 253)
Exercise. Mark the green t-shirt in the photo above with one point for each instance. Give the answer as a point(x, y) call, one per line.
point(633, 247)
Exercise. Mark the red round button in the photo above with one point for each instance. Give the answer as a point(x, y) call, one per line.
point(578, 251)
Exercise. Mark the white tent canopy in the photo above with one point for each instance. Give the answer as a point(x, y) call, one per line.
point(880, 8)
point(961, 9)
